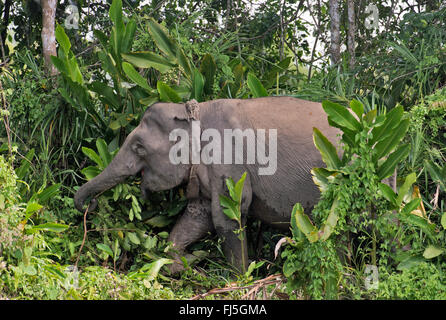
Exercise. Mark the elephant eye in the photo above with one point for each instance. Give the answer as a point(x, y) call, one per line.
point(139, 149)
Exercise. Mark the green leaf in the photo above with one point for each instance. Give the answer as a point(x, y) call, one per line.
point(145, 59)
point(105, 248)
point(48, 193)
point(304, 224)
point(133, 238)
point(385, 146)
point(238, 188)
point(167, 94)
point(256, 86)
point(90, 172)
point(51, 226)
point(432, 251)
point(320, 177)
point(134, 75)
point(443, 220)
point(127, 39)
point(184, 63)
point(411, 206)
point(388, 193)
point(197, 86)
point(327, 150)
point(404, 189)
point(208, 69)
point(231, 210)
point(93, 156)
point(341, 116)
point(388, 167)
point(106, 157)
point(162, 39)
point(154, 267)
point(392, 119)
point(357, 108)
point(330, 223)
point(63, 39)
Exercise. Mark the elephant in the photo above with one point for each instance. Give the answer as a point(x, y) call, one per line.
point(268, 196)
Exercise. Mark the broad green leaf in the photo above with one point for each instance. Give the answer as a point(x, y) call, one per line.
point(133, 238)
point(327, 150)
point(127, 39)
point(404, 189)
point(270, 78)
point(106, 92)
point(90, 172)
point(93, 156)
point(184, 63)
point(231, 210)
point(388, 167)
point(230, 184)
point(154, 267)
point(208, 69)
point(392, 120)
point(145, 59)
point(59, 64)
point(330, 223)
point(304, 224)
point(162, 39)
point(432, 251)
point(32, 207)
point(103, 152)
point(385, 146)
point(134, 75)
point(63, 39)
point(341, 116)
point(197, 86)
point(410, 262)
point(357, 108)
point(320, 177)
point(238, 188)
point(48, 193)
point(388, 193)
point(105, 248)
point(167, 94)
point(443, 220)
point(370, 116)
point(256, 86)
point(411, 206)
point(50, 226)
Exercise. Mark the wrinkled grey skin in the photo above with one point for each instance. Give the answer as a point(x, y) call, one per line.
point(269, 198)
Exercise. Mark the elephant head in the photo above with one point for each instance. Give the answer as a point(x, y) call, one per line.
point(145, 151)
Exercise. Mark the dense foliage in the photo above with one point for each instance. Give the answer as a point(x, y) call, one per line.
point(59, 131)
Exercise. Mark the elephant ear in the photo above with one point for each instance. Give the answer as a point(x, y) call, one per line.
point(192, 111)
point(193, 187)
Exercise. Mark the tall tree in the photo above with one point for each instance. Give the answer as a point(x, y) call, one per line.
point(351, 44)
point(335, 44)
point(48, 33)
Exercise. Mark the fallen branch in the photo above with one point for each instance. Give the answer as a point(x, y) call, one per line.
point(276, 279)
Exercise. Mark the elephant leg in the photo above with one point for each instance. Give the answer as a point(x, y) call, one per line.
point(193, 225)
point(234, 242)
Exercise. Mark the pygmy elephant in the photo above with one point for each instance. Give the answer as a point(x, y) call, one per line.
point(202, 144)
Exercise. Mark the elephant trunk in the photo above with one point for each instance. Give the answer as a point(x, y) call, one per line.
point(116, 172)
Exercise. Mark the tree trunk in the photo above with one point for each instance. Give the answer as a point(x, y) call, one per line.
point(48, 34)
point(335, 44)
point(351, 33)
point(5, 24)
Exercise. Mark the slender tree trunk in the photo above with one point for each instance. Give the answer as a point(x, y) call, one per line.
point(335, 44)
point(48, 34)
point(5, 24)
point(351, 33)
